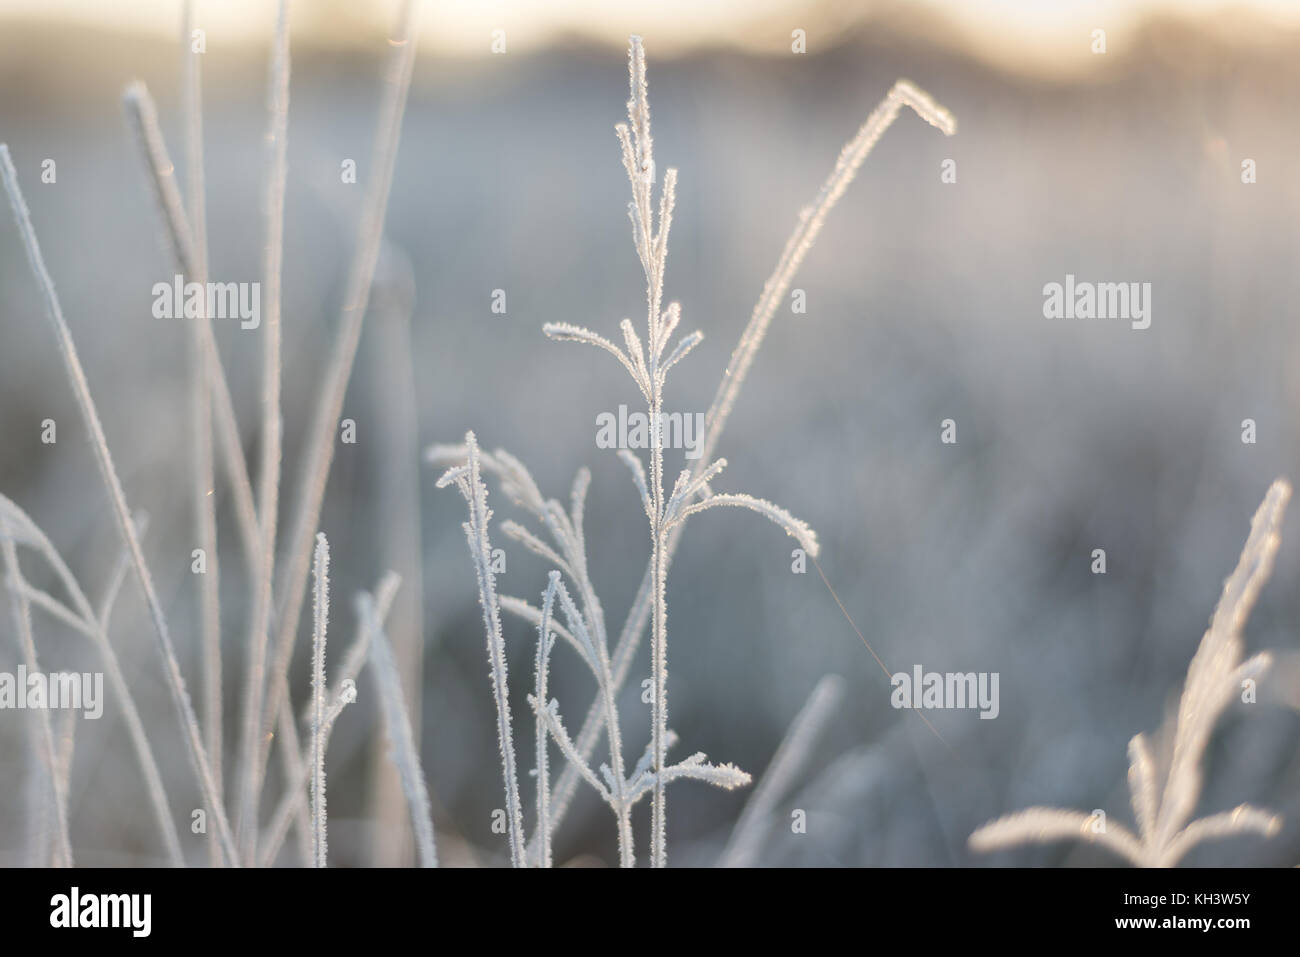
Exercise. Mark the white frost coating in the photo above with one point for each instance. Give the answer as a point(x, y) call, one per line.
point(320, 621)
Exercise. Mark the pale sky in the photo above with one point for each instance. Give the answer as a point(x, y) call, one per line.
point(1029, 34)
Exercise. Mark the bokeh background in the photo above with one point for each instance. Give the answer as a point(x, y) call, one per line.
point(924, 303)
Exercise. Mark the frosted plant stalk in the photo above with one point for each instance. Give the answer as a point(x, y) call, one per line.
point(320, 622)
point(295, 797)
point(541, 698)
point(586, 636)
point(648, 366)
point(586, 631)
point(470, 482)
point(809, 225)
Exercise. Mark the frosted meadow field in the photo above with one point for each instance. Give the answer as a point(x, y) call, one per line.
point(325, 545)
